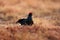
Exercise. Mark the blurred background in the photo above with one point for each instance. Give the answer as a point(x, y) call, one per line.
point(46, 17)
point(12, 10)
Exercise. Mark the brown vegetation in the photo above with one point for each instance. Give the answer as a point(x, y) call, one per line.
point(46, 17)
point(34, 32)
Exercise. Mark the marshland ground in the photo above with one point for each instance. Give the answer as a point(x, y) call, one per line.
point(46, 17)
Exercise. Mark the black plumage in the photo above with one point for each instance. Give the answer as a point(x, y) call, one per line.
point(27, 21)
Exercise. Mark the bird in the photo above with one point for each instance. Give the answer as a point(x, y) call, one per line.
point(26, 21)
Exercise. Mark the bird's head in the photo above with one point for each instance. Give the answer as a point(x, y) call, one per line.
point(30, 14)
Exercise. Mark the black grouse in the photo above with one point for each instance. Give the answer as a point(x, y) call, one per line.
point(27, 21)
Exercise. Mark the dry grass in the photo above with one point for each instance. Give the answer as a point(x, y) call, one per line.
point(46, 17)
point(34, 32)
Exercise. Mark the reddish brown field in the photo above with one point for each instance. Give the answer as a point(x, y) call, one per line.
point(34, 32)
point(46, 17)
